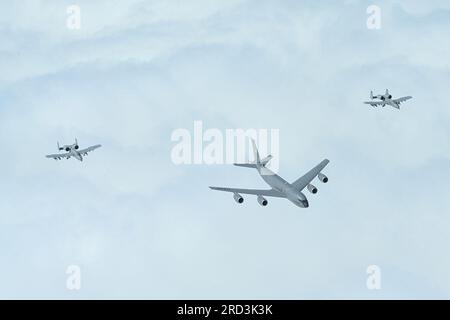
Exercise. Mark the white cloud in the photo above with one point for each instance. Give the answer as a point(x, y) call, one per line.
point(137, 71)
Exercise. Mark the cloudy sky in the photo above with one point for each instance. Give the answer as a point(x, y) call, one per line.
point(139, 226)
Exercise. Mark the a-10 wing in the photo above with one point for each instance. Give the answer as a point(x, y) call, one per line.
point(396, 103)
point(58, 156)
point(84, 152)
point(402, 99)
point(375, 103)
point(258, 192)
point(68, 155)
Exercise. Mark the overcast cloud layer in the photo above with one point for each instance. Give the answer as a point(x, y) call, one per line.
point(141, 227)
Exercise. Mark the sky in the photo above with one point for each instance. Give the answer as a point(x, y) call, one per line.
point(139, 226)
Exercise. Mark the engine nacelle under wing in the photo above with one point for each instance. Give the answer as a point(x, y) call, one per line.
point(262, 201)
point(312, 189)
point(238, 198)
point(323, 178)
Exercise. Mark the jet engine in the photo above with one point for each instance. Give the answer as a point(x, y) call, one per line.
point(322, 177)
point(67, 149)
point(238, 198)
point(262, 201)
point(312, 189)
point(76, 147)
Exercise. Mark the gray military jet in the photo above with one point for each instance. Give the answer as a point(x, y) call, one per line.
point(279, 187)
point(386, 99)
point(72, 150)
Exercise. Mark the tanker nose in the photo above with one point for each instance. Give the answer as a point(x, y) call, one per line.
point(305, 203)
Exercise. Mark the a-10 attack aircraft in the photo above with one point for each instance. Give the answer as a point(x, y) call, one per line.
point(279, 187)
point(72, 150)
point(386, 99)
